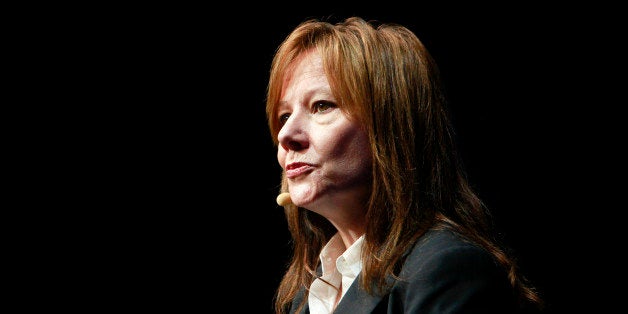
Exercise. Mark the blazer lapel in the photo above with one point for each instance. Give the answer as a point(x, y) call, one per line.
point(356, 300)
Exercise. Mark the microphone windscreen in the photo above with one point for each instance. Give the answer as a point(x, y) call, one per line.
point(283, 199)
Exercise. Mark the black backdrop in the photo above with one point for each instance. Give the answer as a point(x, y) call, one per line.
point(189, 175)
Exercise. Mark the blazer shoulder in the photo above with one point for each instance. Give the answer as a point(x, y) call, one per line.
point(443, 250)
point(445, 272)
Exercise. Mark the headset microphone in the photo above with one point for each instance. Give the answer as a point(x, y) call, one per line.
point(283, 199)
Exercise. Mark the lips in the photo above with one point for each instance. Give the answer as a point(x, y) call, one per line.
point(296, 169)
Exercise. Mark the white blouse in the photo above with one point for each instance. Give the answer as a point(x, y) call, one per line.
point(340, 268)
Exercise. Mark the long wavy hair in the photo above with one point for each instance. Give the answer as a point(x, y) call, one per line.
point(382, 75)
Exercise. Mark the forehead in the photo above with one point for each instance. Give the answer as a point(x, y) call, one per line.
point(304, 78)
point(308, 64)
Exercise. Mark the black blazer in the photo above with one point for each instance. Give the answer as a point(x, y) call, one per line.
point(442, 274)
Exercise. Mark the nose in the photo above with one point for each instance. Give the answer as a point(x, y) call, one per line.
point(293, 134)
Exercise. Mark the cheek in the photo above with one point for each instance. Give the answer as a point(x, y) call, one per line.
point(352, 149)
point(359, 154)
point(281, 157)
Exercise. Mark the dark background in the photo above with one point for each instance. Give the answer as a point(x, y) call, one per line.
point(186, 217)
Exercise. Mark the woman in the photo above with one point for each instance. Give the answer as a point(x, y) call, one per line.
point(382, 217)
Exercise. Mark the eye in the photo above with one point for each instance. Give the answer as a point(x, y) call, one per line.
point(283, 118)
point(322, 106)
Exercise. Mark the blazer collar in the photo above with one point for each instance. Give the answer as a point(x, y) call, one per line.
point(356, 300)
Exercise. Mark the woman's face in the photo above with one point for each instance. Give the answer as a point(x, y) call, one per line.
point(326, 154)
